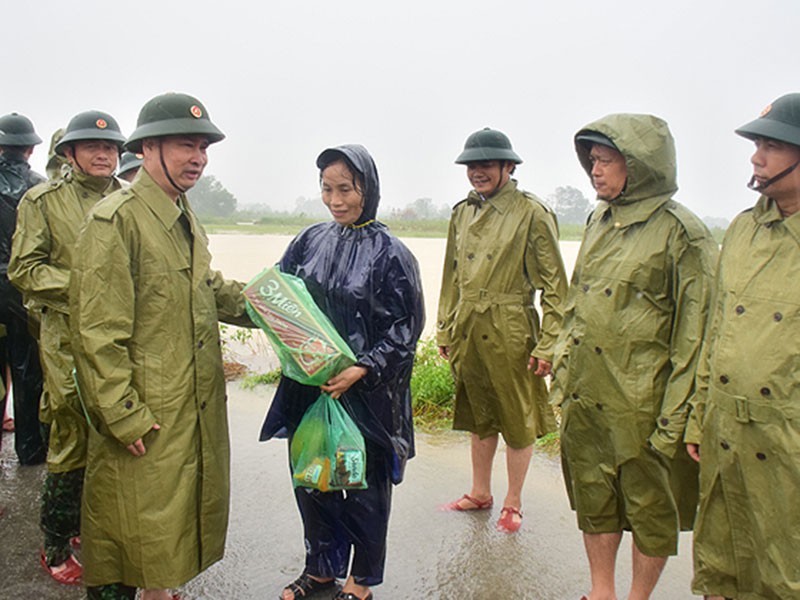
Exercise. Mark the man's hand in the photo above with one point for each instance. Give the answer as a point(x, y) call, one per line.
point(339, 384)
point(540, 366)
point(444, 352)
point(137, 448)
point(694, 451)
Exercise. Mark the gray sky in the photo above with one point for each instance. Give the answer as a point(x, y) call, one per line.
point(410, 80)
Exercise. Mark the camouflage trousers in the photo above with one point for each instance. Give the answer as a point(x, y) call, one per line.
point(113, 591)
point(61, 513)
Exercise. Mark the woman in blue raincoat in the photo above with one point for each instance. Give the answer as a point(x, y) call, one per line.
point(367, 282)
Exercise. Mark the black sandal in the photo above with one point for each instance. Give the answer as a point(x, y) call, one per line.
point(305, 585)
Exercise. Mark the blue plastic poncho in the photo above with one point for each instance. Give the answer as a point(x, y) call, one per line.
point(367, 282)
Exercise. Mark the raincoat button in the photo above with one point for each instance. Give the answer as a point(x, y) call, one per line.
point(470, 256)
point(739, 309)
point(598, 350)
point(723, 379)
point(489, 256)
point(608, 291)
point(664, 422)
point(761, 456)
point(765, 391)
point(129, 404)
point(574, 396)
point(599, 406)
point(485, 337)
point(777, 317)
point(585, 288)
point(576, 341)
point(84, 194)
point(44, 309)
point(203, 405)
point(617, 224)
point(200, 344)
point(724, 445)
point(208, 282)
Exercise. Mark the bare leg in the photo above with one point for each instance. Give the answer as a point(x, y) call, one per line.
point(601, 550)
point(517, 462)
point(351, 587)
point(483, 451)
point(156, 595)
point(646, 571)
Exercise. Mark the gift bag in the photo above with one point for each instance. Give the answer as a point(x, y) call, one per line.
point(327, 450)
point(308, 346)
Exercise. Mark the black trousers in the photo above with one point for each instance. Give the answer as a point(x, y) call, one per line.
point(22, 356)
point(335, 523)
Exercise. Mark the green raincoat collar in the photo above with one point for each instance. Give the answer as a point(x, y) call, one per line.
point(649, 150)
point(99, 185)
point(162, 205)
point(499, 201)
point(628, 214)
point(766, 212)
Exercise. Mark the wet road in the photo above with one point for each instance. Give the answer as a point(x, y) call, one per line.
point(431, 554)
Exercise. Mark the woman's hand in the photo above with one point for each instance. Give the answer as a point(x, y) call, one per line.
point(339, 384)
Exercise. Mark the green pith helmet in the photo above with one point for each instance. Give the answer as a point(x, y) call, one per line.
point(778, 121)
point(487, 144)
point(129, 161)
point(91, 125)
point(173, 114)
point(17, 130)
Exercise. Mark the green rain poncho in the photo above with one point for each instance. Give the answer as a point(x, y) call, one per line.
point(144, 307)
point(500, 251)
point(746, 414)
point(48, 221)
point(633, 322)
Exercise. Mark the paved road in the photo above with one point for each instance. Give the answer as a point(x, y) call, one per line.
point(431, 554)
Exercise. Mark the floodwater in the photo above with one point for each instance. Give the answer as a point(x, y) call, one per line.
point(431, 554)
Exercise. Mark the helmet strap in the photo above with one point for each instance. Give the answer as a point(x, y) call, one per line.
point(756, 187)
point(166, 171)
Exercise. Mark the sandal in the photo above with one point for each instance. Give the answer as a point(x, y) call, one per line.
point(305, 585)
point(506, 522)
point(479, 504)
point(8, 424)
point(70, 575)
point(349, 596)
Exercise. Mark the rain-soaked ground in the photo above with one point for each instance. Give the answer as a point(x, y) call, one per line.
point(431, 554)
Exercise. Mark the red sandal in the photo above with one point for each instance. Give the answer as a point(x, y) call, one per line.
point(506, 522)
point(479, 505)
point(70, 575)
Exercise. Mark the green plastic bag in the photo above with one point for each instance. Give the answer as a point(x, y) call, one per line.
point(328, 451)
point(308, 346)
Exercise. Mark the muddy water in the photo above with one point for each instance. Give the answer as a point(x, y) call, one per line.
point(431, 554)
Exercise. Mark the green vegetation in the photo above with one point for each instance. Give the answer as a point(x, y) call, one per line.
point(432, 388)
point(269, 378)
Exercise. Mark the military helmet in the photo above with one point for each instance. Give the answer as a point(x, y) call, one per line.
point(778, 121)
point(589, 138)
point(17, 130)
point(91, 125)
point(487, 144)
point(173, 114)
point(129, 161)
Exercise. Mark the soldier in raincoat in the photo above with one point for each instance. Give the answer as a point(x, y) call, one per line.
point(627, 353)
point(745, 422)
point(50, 217)
point(367, 282)
point(502, 247)
point(21, 352)
point(144, 308)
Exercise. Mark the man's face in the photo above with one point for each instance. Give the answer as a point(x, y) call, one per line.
point(609, 172)
point(183, 155)
point(771, 158)
point(486, 176)
point(97, 158)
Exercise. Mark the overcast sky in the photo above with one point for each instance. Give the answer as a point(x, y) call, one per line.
point(411, 80)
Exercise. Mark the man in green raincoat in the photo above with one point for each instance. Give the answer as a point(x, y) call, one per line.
point(626, 355)
point(745, 422)
point(502, 247)
point(49, 219)
point(145, 305)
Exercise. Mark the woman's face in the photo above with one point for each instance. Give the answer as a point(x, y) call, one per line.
point(340, 194)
